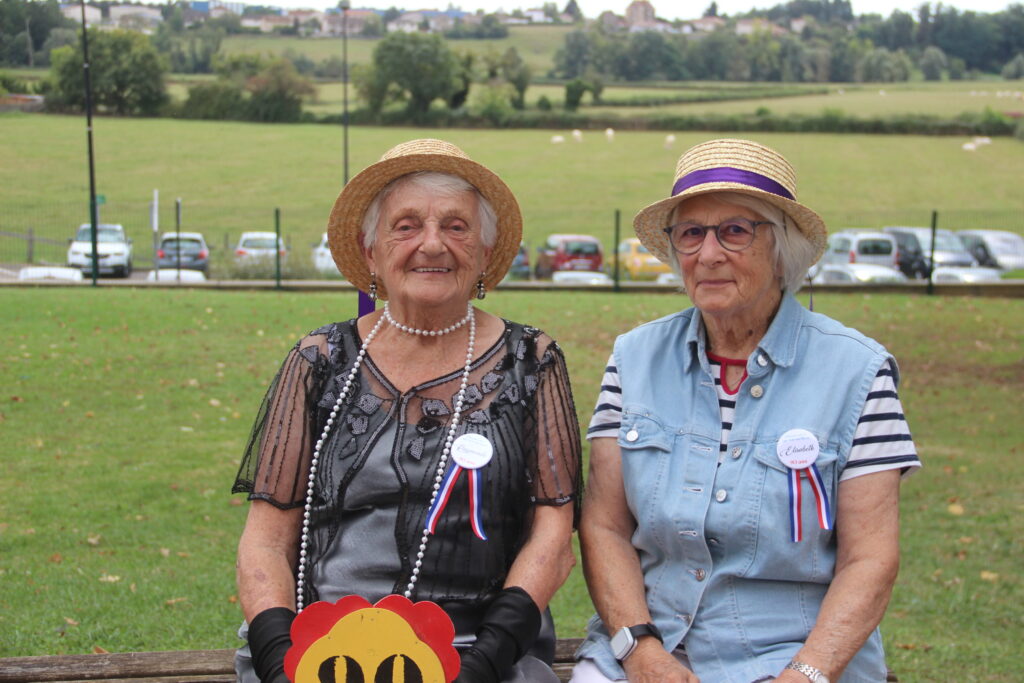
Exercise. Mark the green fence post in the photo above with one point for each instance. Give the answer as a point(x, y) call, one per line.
point(931, 255)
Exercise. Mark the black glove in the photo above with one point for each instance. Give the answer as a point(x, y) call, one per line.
point(506, 633)
point(269, 640)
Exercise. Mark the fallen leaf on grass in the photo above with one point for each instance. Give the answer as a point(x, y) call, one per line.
point(955, 509)
point(233, 599)
point(97, 650)
point(93, 540)
point(914, 646)
point(132, 588)
point(70, 621)
point(187, 429)
point(17, 399)
point(989, 576)
point(183, 554)
point(174, 601)
point(89, 413)
point(214, 402)
point(235, 501)
point(56, 558)
point(110, 578)
point(166, 552)
point(965, 540)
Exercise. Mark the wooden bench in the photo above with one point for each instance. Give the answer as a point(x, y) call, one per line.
point(191, 666)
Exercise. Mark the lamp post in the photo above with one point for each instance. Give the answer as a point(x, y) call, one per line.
point(344, 6)
point(93, 214)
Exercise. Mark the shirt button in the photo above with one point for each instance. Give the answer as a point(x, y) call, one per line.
point(632, 435)
point(761, 360)
point(721, 495)
point(700, 574)
point(737, 452)
point(757, 391)
point(685, 618)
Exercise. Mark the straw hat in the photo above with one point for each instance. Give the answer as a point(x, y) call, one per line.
point(344, 227)
point(729, 165)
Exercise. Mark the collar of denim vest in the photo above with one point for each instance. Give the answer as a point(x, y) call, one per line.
point(778, 343)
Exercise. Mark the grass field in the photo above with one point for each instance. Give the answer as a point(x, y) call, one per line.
point(125, 411)
point(230, 176)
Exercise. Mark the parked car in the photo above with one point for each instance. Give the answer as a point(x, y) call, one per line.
point(959, 274)
point(856, 273)
point(862, 246)
point(175, 275)
point(909, 257)
point(258, 247)
point(520, 269)
point(636, 263)
point(113, 248)
point(995, 248)
point(323, 261)
point(580, 277)
point(568, 252)
point(949, 251)
point(185, 248)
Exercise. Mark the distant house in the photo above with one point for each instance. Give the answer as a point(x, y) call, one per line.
point(93, 15)
point(707, 24)
point(433, 20)
point(610, 21)
point(537, 16)
point(640, 12)
point(355, 23)
point(135, 17)
point(746, 27)
point(266, 23)
point(798, 25)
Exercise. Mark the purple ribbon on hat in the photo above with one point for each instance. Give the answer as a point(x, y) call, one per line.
point(727, 174)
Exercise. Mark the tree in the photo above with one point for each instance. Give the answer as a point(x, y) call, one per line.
point(573, 58)
point(883, 66)
point(712, 9)
point(127, 74)
point(276, 93)
point(574, 91)
point(420, 65)
point(1014, 69)
point(573, 10)
point(932, 63)
point(24, 27)
point(518, 74)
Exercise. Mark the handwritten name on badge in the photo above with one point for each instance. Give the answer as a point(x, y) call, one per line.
point(797, 449)
point(472, 451)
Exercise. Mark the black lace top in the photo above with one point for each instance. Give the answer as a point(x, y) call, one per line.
point(376, 470)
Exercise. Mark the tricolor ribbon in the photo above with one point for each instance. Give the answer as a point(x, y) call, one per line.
point(795, 497)
point(445, 493)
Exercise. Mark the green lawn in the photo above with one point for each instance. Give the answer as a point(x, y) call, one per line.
point(231, 176)
point(124, 413)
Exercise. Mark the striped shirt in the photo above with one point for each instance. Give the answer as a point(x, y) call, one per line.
point(881, 441)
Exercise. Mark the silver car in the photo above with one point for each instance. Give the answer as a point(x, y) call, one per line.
point(113, 249)
point(995, 248)
point(949, 250)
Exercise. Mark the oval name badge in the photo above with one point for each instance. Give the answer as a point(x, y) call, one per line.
point(797, 449)
point(472, 451)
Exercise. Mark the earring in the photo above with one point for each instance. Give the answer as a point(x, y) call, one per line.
point(373, 287)
point(480, 291)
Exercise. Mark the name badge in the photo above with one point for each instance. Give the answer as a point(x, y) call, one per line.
point(797, 449)
point(472, 451)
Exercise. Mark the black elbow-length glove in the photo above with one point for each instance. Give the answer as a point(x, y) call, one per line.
point(507, 631)
point(269, 640)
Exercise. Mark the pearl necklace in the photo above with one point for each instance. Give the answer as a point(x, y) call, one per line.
point(427, 333)
point(441, 465)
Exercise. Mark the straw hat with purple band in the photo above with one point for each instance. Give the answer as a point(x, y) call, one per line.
point(729, 165)
point(344, 227)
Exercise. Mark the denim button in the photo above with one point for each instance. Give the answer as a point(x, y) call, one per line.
point(685, 618)
point(761, 360)
point(757, 391)
point(721, 495)
point(700, 574)
point(737, 452)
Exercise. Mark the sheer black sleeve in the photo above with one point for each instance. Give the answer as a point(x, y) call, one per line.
point(277, 456)
point(558, 465)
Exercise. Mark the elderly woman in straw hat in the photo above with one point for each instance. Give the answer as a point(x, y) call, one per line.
point(428, 449)
point(741, 519)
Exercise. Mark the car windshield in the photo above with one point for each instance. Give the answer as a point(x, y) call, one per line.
point(102, 234)
point(947, 241)
point(875, 247)
point(580, 248)
point(187, 244)
point(1007, 245)
point(258, 243)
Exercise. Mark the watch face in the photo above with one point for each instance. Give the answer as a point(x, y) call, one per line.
point(623, 643)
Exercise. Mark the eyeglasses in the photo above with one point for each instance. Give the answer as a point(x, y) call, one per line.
point(734, 234)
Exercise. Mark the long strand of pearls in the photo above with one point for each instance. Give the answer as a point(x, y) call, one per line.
point(427, 333)
point(439, 475)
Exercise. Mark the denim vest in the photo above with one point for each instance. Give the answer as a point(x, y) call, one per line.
point(720, 571)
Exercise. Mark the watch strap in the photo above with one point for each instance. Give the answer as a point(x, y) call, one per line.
point(814, 674)
point(634, 634)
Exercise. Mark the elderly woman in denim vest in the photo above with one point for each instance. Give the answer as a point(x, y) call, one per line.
point(741, 522)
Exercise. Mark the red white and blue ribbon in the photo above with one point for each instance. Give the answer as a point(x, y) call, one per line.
point(445, 493)
point(795, 498)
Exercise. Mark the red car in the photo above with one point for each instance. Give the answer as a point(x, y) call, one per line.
point(568, 252)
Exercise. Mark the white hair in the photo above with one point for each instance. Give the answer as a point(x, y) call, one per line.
point(442, 184)
point(792, 252)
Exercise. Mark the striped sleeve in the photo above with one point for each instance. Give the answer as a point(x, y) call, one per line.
point(882, 440)
point(608, 412)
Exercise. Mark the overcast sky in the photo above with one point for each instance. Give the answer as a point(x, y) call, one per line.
point(667, 9)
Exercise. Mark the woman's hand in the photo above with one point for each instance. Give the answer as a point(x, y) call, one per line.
point(651, 663)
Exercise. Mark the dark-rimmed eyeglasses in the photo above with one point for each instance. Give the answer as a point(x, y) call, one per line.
point(734, 234)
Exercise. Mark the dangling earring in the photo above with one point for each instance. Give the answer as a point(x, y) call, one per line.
point(480, 291)
point(373, 287)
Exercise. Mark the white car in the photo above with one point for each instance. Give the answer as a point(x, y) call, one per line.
point(113, 248)
point(995, 248)
point(580, 277)
point(322, 259)
point(854, 273)
point(258, 247)
point(958, 274)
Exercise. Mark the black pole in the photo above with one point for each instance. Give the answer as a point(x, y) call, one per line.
point(177, 233)
point(344, 70)
point(615, 244)
point(93, 213)
point(931, 255)
point(277, 247)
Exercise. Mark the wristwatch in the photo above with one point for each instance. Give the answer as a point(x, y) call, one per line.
point(811, 672)
point(625, 639)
